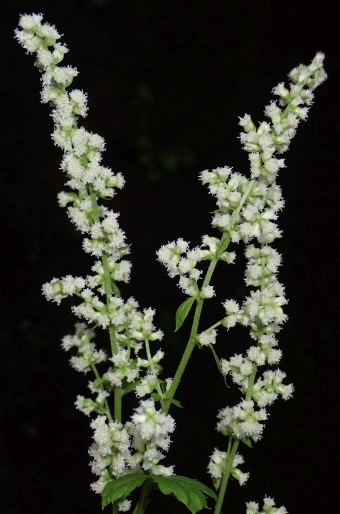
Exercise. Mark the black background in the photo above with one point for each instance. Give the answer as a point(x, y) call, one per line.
point(167, 82)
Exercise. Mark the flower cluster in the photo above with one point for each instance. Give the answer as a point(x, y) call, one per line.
point(181, 261)
point(268, 507)
point(121, 449)
point(218, 464)
point(262, 312)
point(118, 448)
point(247, 211)
point(82, 150)
point(127, 363)
point(148, 428)
point(293, 107)
point(246, 208)
point(242, 421)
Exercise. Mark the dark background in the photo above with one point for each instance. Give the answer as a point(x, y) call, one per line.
point(167, 82)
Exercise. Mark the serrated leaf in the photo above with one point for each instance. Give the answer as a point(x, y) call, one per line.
point(177, 403)
point(218, 363)
point(183, 310)
point(186, 490)
point(122, 486)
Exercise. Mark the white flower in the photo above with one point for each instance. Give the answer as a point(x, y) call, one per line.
point(85, 405)
point(231, 307)
point(147, 385)
point(208, 337)
point(124, 368)
point(80, 100)
point(242, 421)
point(217, 466)
point(151, 423)
point(64, 75)
point(268, 507)
point(207, 292)
point(188, 286)
point(240, 369)
point(247, 123)
point(101, 435)
point(30, 21)
point(124, 505)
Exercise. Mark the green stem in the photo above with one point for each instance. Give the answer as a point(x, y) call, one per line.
point(250, 387)
point(100, 382)
point(225, 240)
point(118, 395)
point(232, 449)
point(191, 343)
point(113, 342)
point(152, 368)
point(185, 358)
point(213, 326)
point(242, 202)
point(143, 498)
point(109, 285)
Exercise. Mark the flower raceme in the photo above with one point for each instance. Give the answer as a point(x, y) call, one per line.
point(247, 212)
point(142, 441)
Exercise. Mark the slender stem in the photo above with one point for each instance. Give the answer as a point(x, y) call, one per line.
point(233, 444)
point(233, 450)
point(250, 387)
point(242, 202)
point(109, 285)
point(153, 370)
point(225, 240)
point(214, 326)
point(95, 207)
point(113, 342)
point(118, 395)
point(191, 343)
point(100, 381)
point(185, 358)
point(143, 498)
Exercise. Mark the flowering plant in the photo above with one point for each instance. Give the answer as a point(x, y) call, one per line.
point(128, 454)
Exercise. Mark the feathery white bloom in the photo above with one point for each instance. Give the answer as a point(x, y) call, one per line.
point(208, 337)
point(217, 466)
point(150, 423)
point(268, 507)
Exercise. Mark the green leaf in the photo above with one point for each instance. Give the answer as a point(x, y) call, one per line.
point(218, 363)
point(156, 397)
point(247, 441)
point(177, 403)
point(188, 491)
point(224, 244)
point(122, 486)
point(183, 310)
